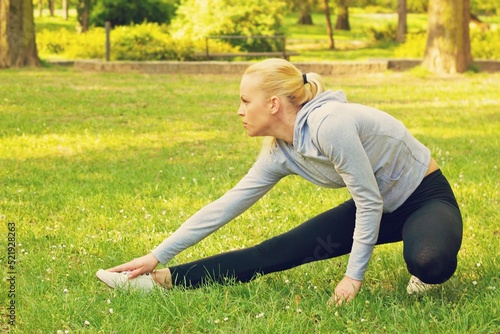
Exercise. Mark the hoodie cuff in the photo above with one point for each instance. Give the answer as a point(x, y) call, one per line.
point(358, 260)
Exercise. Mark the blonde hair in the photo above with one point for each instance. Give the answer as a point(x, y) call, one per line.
point(281, 78)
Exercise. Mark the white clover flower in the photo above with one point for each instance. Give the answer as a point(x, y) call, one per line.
point(474, 282)
point(110, 311)
point(86, 323)
point(65, 291)
point(216, 321)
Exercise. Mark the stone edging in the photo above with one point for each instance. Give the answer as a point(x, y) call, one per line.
point(226, 67)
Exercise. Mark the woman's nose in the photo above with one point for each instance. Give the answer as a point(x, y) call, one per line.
point(241, 111)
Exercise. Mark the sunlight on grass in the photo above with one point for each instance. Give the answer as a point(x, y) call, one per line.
point(98, 168)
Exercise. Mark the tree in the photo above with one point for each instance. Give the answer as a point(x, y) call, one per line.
point(51, 7)
point(305, 16)
point(65, 7)
point(125, 12)
point(83, 8)
point(343, 15)
point(402, 26)
point(329, 30)
point(17, 34)
point(448, 42)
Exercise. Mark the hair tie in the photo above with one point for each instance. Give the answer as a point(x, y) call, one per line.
point(304, 77)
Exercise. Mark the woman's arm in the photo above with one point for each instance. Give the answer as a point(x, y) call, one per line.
point(341, 143)
point(257, 182)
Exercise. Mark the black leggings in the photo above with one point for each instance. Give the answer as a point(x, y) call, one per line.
point(429, 224)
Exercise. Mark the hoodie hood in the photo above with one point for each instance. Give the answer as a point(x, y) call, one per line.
point(302, 136)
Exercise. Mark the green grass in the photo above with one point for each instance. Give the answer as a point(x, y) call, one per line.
point(312, 41)
point(96, 169)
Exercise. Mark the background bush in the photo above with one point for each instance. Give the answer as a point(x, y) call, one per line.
point(124, 12)
point(146, 41)
point(72, 45)
point(386, 33)
point(485, 44)
point(196, 20)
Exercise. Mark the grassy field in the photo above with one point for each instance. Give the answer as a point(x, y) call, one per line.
point(96, 169)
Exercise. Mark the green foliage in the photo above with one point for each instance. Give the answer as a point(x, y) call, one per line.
point(413, 47)
point(384, 33)
point(417, 6)
point(484, 7)
point(70, 44)
point(377, 10)
point(485, 44)
point(123, 12)
point(146, 41)
point(196, 20)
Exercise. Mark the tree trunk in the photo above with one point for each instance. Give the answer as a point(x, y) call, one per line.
point(402, 25)
point(448, 42)
point(51, 7)
point(305, 18)
point(329, 29)
point(65, 6)
point(343, 16)
point(17, 34)
point(40, 8)
point(83, 10)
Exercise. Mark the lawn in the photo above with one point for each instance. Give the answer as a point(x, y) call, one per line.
point(96, 169)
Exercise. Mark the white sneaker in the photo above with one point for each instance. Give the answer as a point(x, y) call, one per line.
point(114, 280)
point(416, 286)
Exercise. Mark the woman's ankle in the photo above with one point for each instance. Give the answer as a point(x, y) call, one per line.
point(163, 278)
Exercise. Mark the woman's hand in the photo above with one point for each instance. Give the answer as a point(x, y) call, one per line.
point(141, 265)
point(345, 291)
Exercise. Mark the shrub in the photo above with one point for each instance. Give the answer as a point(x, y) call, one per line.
point(124, 12)
point(385, 33)
point(484, 44)
point(414, 47)
point(147, 41)
point(71, 44)
point(141, 42)
point(196, 20)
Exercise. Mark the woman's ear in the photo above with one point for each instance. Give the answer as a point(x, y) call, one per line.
point(275, 104)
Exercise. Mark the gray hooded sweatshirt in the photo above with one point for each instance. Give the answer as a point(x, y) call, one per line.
point(336, 144)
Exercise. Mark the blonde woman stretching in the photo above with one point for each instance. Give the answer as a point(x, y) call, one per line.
point(398, 193)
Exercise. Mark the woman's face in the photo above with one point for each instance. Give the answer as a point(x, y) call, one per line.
point(255, 107)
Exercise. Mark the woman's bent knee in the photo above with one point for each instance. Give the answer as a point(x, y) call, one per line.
point(432, 268)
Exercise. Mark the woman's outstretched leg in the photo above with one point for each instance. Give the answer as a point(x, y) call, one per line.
point(322, 237)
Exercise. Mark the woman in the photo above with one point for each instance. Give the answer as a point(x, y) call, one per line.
point(398, 192)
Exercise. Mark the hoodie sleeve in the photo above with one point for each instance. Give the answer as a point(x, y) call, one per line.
point(339, 140)
point(257, 182)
